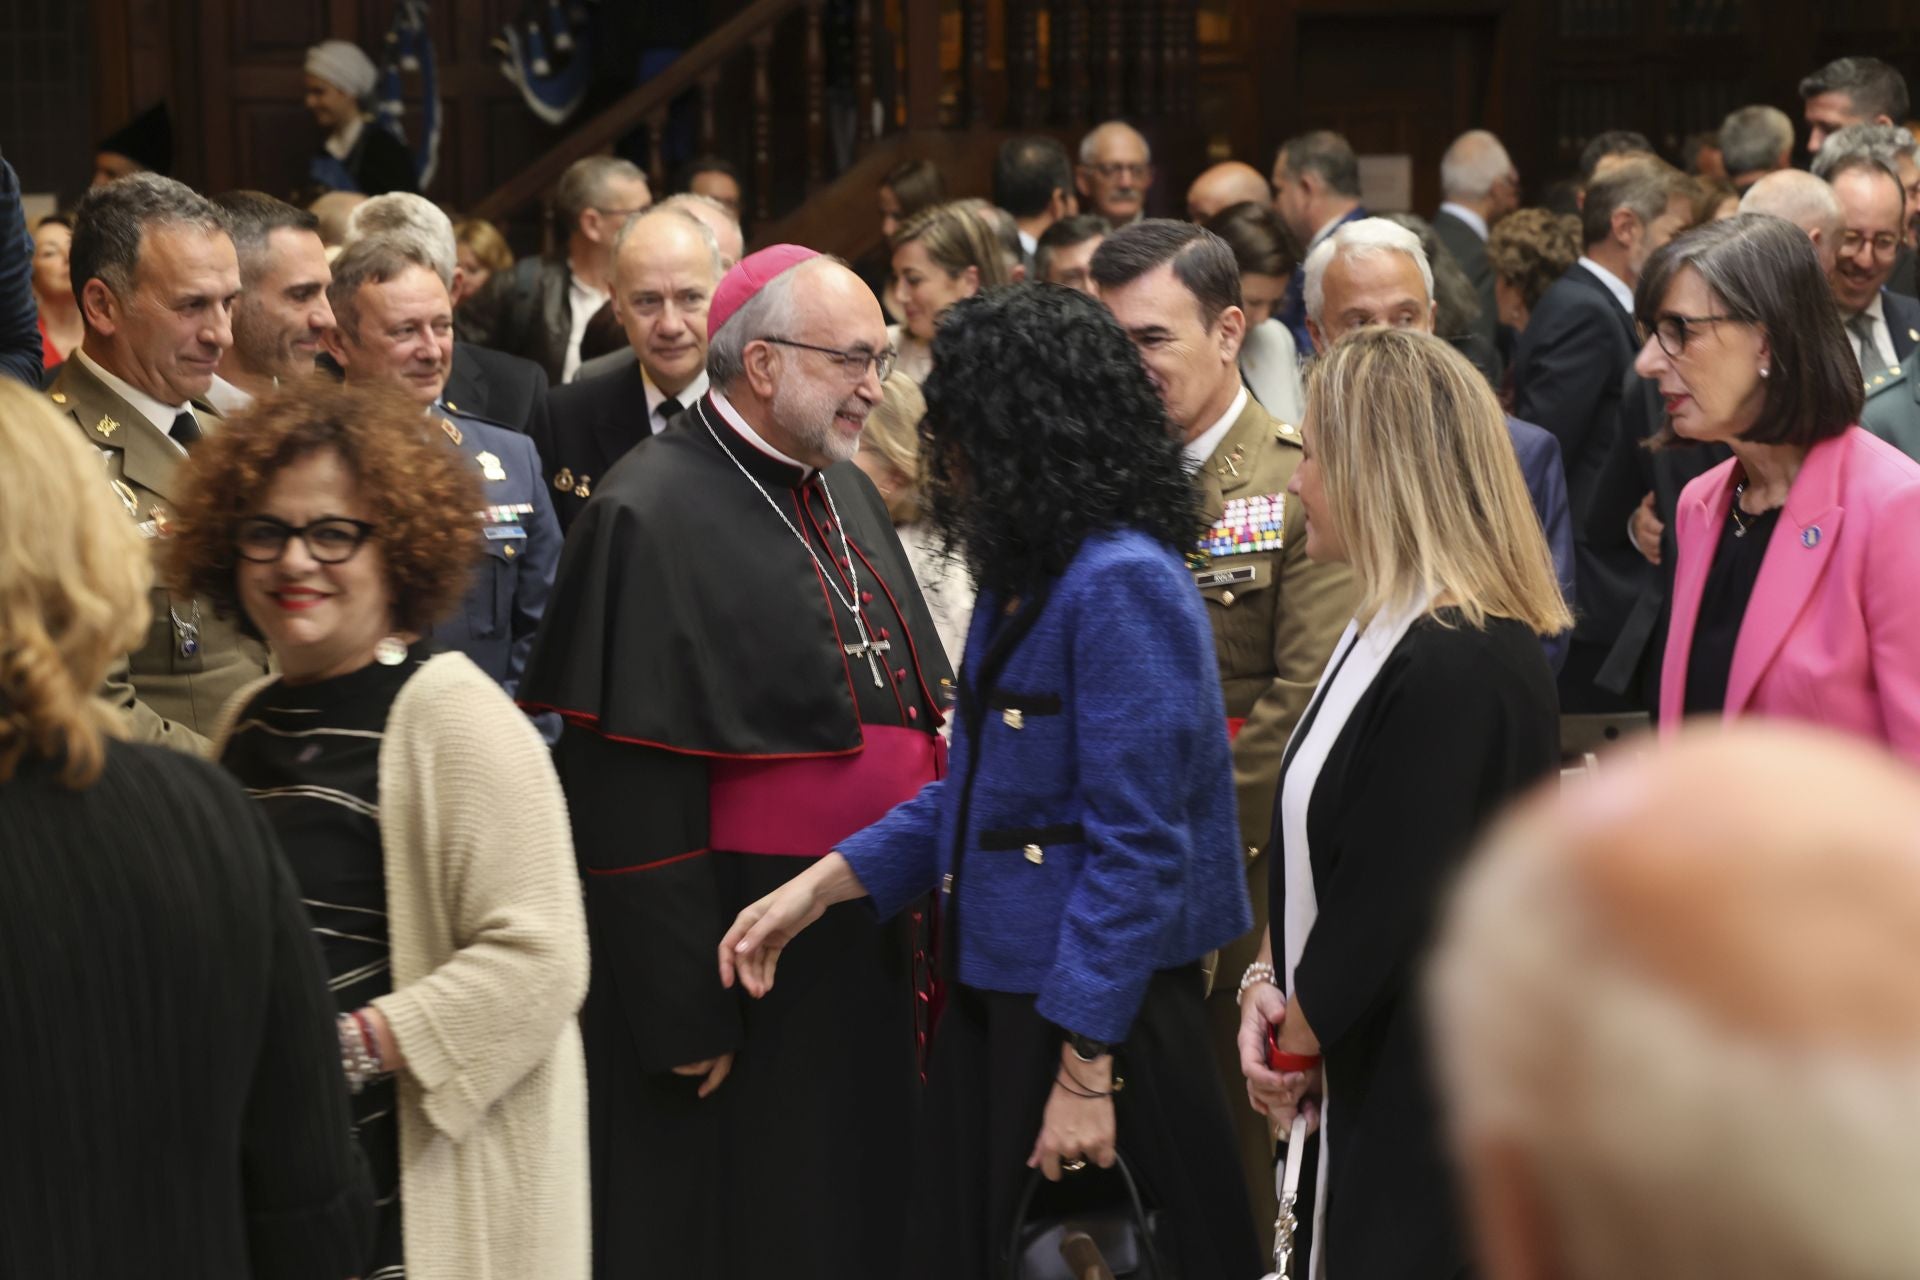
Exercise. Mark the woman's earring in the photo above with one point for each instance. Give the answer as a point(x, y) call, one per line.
point(390, 652)
point(1764, 371)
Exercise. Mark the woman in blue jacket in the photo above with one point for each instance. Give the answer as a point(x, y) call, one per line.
point(1084, 844)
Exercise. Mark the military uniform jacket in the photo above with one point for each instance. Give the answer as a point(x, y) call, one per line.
point(1276, 617)
point(173, 686)
point(496, 622)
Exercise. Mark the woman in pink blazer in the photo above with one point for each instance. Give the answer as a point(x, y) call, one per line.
point(1797, 590)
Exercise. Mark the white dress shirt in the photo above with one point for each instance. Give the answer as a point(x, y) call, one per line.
point(1201, 447)
point(656, 397)
point(1615, 285)
point(582, 301)
point(158, 412)
point(228, 398)
point(1475, 223)
point(752, 437)
point(340, 142)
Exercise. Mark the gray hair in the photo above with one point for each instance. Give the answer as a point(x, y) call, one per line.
point(1887, 143)
point(1090, 144)
point(1327, 154)
point(677, 210)
point(584, 185)
point(766, 314)
point(252, 218)
point(1755, 138)
point(1644, 187)
point(112, 220)
point(1874, 88)
point(1799, 197)
point(372, 260)
point(1366, 238)
point(416, 219)
point(1471, 166)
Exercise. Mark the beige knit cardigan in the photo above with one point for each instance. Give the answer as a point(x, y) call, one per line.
point(489, 947)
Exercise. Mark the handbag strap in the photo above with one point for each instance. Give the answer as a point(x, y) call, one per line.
point(1135, 1205)
point(1289, 1195)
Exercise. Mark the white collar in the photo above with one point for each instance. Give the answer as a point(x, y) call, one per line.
point(747, 433)
point(1201, 447)
point(1029, 245)
point(229, 398)
point(341, 141)
point(1615, 285)
point(656, 397)
point(1875, 308)
point(158, 412)
point(1473, 220)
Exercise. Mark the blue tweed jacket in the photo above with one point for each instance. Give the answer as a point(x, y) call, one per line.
point(1085, 836)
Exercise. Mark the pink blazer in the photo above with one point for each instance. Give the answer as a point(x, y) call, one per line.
point(1832, 632)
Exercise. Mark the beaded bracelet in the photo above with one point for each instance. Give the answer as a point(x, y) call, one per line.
point(356, 1062)
point(1257, 972)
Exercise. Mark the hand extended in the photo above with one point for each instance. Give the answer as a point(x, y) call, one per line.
point(1075, 1128)
point(714, 1069)
point(762, 931)
point(1262, 1010)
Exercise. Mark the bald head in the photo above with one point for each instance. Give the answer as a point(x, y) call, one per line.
point(1115, 172)
point(1805, 201)
point(725, 227)
point(1228, 183)
point(666, 265)
point(1678, 1018)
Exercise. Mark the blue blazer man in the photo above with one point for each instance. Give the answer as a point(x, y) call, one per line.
point(1293, 303)
point(1539, 455)
point(496, 622)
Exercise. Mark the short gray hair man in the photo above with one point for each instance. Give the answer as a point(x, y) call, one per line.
point(1805, 201)
point(112, 219)
point(415, 219)
point(717, 218)
point(1473, 166)
point(1365, 238)
point(584, 186)
point(1755, 140)
point(372, 260)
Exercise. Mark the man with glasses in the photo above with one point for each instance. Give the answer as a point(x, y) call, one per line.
point(1115, 172)
point(1882, 326)
point(544, 307)
point(394, 325)
point(748, 675)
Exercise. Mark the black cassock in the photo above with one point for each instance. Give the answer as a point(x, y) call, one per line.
point(719, 736)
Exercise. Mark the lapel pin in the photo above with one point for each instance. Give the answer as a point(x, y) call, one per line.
point(59, 397)
point(1810, 538)
point(106, 426)
point(563, 480)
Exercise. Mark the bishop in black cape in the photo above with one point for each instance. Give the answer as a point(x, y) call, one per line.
point(719, 737)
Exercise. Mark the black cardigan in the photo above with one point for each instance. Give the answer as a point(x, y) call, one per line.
point(170, 1094)
point(1456, 723)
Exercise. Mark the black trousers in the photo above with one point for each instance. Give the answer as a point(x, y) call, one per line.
point(993, 1067)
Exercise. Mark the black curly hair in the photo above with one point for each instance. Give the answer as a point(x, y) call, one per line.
point(1041, 429)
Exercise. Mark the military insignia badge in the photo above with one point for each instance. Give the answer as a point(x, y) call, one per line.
point(453, 432)
point(490, 466)
point(563, 480)
point(585, 488)
point(1247, 525)
point(106, 426)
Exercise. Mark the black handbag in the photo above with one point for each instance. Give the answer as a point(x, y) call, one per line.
point(1126, 1233)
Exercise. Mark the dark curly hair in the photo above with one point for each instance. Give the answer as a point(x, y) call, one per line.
point(1041, 429)
point(422, 495)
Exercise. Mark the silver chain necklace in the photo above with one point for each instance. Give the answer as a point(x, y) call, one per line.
point(868, 648)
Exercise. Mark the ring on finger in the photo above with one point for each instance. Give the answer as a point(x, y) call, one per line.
point(1073, 1166)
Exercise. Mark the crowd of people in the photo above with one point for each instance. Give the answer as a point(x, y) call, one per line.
point(655, 759)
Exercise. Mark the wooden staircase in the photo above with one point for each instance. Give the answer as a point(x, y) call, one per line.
point(918, 78)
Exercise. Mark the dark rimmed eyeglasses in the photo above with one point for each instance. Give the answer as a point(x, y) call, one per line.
point(854, 363)
point(263, 540)
point(1674, 332)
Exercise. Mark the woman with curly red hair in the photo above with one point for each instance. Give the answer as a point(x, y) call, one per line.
point(169, 1037)
point(422, 818)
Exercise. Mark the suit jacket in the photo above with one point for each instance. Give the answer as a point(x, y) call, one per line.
point(524, 312)
point(594, 421)
point(1467, 249)
point(1569, 369)
point(496, 622)
point(498, 387)
point(1831, 634)
point(1539, 456)
point(1292, 311)
point(193, 659)
point(19, 317)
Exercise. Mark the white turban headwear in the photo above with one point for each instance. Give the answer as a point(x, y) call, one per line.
point(345, 65)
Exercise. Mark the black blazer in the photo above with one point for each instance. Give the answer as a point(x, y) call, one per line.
point(1457, 722)
point(1569, 369)
point(1903, 321)
point(593, 422)
point(1466, 247)
point(489, 384)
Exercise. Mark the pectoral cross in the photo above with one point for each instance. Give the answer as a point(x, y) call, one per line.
point(868, 648)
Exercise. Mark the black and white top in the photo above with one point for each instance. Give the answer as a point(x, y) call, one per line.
point(309, 754)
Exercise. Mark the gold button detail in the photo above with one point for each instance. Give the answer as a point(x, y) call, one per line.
point(59, 397)
point(1034, 854)
point(1226, 597)
point(508, 551)
point(1015, 718)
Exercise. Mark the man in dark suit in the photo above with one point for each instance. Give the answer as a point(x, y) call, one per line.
point(666, 266)
point(1374, 272)
point(1316, 187)
point(542, 308)
point(1883, 326)
point(394, 326)
point(1569, 368)
point(19, 332)
point(1478, 187)
point(1033, 181)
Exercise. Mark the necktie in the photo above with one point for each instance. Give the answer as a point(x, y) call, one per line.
point(667, 409)
point(1861, 326)
point(186, 428)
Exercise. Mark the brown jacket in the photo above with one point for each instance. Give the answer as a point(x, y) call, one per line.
point(1276, 618)
point(170, 695)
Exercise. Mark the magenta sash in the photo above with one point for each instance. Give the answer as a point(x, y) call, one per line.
point(802, 808)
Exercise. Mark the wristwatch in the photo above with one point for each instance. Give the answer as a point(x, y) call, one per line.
point(1087, 1050)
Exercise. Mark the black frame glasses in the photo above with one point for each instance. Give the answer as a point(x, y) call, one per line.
point(854, 362)
point(335, 540)
point(1674, 331)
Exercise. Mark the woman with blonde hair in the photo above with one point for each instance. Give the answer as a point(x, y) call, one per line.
point(171, 1092)
point(421, 816)
point(483, 254)
point(890, 456)
point(1436, 707)
point(940, 255)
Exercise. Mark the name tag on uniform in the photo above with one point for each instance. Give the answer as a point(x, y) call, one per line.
point(496, 532)
point(1226, 577)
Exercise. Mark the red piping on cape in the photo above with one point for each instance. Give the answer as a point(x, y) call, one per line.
point(646, 866)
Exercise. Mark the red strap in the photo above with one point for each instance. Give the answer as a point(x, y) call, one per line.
point(1234, 725)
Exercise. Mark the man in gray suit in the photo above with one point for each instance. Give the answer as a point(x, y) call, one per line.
point(1478, 187)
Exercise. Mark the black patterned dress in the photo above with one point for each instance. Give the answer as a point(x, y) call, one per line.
point(309, 755)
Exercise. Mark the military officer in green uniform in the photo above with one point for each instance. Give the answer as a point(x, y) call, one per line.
point(1893, 403)
point(1175, 289)
point(156, 275)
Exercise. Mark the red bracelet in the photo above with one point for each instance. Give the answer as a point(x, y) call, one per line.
point(1280, 1060)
